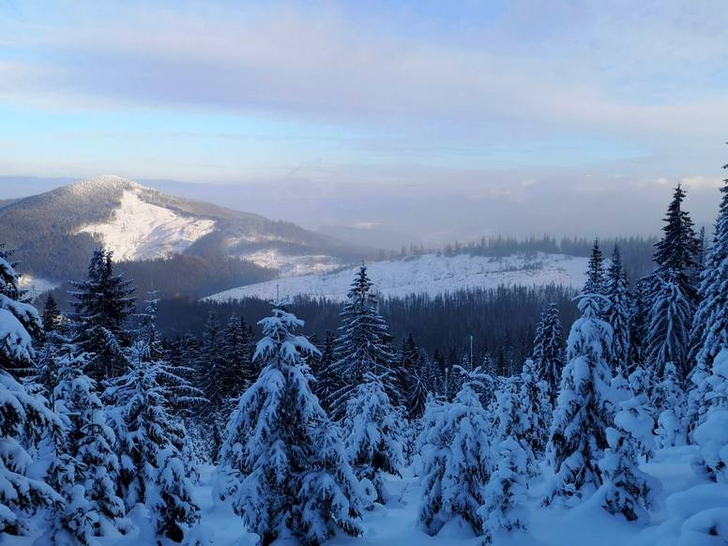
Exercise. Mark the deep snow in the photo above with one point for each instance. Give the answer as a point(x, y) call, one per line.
point(689, 506)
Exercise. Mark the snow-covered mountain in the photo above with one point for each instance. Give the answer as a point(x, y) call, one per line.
point(54, 232)
point(430, 274)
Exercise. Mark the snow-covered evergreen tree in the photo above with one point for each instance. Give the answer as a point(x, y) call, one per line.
point(237, 351)
point(89, 442)
point(678, 250)
point(548, 350)
point(618, 312)
point(595, 280)
point(710, 324)
point(668, 337)
point(283, 463)
point(149, 439)
point(374, 435)
point(24, 419)
point(639, 323)
point(536, 408)
point(582, 413)
point(104, 304)
point(711, 434)
point(363, 345)
point(51, 315)
point(455, 462)
point(504, 510)
point(668, 400)
point(19, 323)
point(24, 416)
point(627, 490)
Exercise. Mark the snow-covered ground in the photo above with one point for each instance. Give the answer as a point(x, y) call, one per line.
point(427, 274)
point(684, 496)
point(689, 506)
point(292, 266)
point(141, 231)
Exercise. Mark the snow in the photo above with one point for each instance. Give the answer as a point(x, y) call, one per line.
point(142, 231)
point(688, 508)
point(36, 285)
point(291, 265)
point(429, 274)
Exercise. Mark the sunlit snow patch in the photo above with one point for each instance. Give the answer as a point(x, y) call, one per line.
point(141, 231)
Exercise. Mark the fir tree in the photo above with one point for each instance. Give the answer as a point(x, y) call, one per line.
point(89, 442)
point(283, 463)
point(19, 323)
point(617, 315)
point(407, 372)
point(149, 440)
point(104, 304)
point(710, 324)
point(582, 412)
point(668, 337)
point(455, 462)
point(639, 322)
point(238, 353)
point(504, 510)
point(374, 435)
point(627, 490)
point(679, 247)
point(363, 345)
point(595, 272)
point(51, 315)
point(536, 410)
point(548, 351)
point(326, 380)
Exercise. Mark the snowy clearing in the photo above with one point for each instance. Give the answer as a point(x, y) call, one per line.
point(427, 274)
point(141, 231)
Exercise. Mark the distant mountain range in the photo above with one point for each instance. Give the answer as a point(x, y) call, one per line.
point(54, 233)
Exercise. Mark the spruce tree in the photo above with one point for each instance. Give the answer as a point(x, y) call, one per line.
point(456, 463)
point(710, 324)
point(548, 350)
point(104, 304)
point(536, 410)
point(504, 511)
point(627, 490)
point(283, 463)
point(89, 467)
point(19, 323)
point(668, 337)
point(149, 440)
point(24, 416)
point(595, 279)
point(363, 345)
point(617, 315)
point(678, 250)
point(407, 372)
point(374, 436)
point(51, 315)
point(639, 322)
point(582, 413)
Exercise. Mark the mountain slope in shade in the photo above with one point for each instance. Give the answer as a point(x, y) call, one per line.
point(429, 274)
point(54, 232)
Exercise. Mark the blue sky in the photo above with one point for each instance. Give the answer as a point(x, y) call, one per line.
point(492, 98)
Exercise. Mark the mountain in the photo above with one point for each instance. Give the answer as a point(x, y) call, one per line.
point(54, 233)
point(430, 274)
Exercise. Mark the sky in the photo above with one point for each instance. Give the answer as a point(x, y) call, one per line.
point(426, 119)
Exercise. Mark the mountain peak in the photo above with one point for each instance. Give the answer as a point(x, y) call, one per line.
point(104, 182)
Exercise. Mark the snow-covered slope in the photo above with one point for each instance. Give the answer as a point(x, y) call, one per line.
point(428, 274)
point(141, 231)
